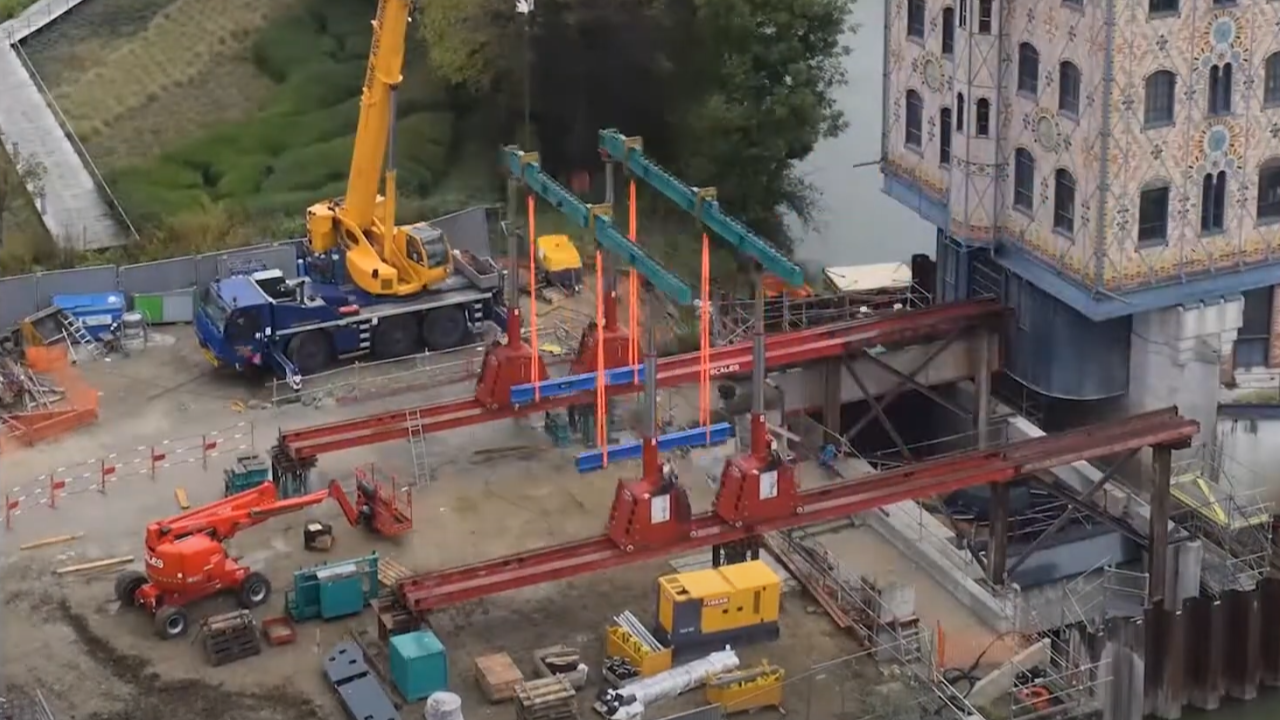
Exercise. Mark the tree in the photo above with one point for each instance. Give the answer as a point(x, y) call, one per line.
point(21, 181)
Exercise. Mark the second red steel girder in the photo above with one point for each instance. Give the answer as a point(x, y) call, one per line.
point(781, 350)
point(456, 585)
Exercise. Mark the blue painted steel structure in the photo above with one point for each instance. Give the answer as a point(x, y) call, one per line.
point(574, 384)
point(525, 167)
point(699, 202)
point(593, 460)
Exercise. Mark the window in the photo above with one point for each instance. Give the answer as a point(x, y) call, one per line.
point(915, 120)
point(948, 31)
point(1068, 88)
point(1157, 110)
point(1220, 89)
point(1269, 192)
point(1074, 3)
point(1153, 216)
point(963, 20)
point(1028, 69)
point(1162, 7)
point(1271, 83)
point(1024, 180)
point(1213, 202)
point(915, 18)
point(984, 16)
point(1064, 201)
point(1223, 3)
point(944, 137)
point(982, 116)
point(959, 112)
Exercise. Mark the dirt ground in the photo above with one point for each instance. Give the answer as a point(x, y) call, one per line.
point(96, 661)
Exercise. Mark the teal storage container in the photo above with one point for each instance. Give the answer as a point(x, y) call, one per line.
point(418, 665)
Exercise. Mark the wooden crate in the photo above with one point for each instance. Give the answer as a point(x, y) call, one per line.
point(498, 676)
point(546, 699)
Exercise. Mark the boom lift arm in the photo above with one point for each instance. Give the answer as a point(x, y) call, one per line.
point(223, 519)
point(381, 258)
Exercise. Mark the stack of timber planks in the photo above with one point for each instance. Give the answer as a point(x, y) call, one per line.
point(547, 699)
point(498, 676)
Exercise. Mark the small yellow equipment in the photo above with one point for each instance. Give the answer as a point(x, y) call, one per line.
point(560, 262)
point(620, 642)
point(708, 609)
point(747, 688)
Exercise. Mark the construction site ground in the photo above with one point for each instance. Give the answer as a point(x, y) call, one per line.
point(499, 488)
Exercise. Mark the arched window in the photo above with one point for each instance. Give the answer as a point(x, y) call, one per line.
point(1068, 88)
point(1158, 103)
point(1153, 215)
point(959, 112)
point(1024, 180)
point(915, 120)
point(1271, 81)
point(1213, 202)
point(982, 118)
point(915, 18)
point(1220, 89)
point(984, 16)
point(944, 136)
point(1028, 69)
point(948, 31)
point(1064, 201)
point(1269, 192)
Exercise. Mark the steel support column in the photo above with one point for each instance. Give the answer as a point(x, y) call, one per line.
point(998, 553)
point(1158, 532)
point(832, 372)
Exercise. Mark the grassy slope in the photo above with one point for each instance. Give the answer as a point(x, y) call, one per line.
point(26, 241)
point(10, 9)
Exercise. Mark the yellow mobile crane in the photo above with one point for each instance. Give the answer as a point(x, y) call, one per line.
point(381, 258)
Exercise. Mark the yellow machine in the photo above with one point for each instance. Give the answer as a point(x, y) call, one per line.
point(708, 609)
point(381, 259)
point(560, 262)
point(619, 642)
point(747, 689)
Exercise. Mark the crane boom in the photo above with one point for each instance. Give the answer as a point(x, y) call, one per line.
point(386, 64)
point(628, 151)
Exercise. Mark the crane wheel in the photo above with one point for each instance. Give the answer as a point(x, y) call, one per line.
point(128, 583)
point(445, 328)
point(255, 590)
point(171, 622)
point(310, 352)
point(396, 337)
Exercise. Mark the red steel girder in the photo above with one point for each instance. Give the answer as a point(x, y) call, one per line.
point(781, 350)
point(443, 588)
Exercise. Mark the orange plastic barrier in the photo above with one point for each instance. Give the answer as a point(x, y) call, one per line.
point(78, 408)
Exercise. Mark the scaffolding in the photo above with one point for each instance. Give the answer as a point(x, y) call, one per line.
point(733, 318)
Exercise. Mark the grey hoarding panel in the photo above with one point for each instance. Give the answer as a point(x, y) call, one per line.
point(179, 306)
point(467, 230)
point(158, 277)
point(80, 281)
point(18, 299)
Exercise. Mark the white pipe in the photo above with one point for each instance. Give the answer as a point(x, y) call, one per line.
point(629, 701)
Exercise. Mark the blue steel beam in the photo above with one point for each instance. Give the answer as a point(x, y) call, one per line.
point(595, 218)
point(625, 150)
point(574, 384)
point(593, 460)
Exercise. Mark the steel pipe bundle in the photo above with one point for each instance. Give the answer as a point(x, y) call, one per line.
point(628, 702)
point(629, 622)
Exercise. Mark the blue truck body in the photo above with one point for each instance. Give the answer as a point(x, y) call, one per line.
point(299, 327)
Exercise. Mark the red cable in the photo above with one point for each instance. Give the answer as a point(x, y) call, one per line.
point(602, 406)
point(533, 299)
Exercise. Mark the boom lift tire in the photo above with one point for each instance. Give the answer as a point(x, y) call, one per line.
point(171, 622)
point(128, 583)
point(396, 337)
point(445, 328)
point(254, 591)
point(310, 352)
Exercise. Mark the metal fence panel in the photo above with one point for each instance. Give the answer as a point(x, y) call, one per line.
point(467, 230)
point(158, 277)
point(18, 299)
point(80, 281)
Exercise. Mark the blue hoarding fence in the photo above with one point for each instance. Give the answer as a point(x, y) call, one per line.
point(706, 436)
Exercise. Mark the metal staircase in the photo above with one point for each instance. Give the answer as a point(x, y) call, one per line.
point(75, 334)
point(422, 472)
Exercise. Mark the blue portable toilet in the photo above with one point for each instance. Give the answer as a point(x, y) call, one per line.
point(97, 312)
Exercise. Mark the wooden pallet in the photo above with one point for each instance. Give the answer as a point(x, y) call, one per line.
point(230, 637)
point(498, 676)
point(546, 699)
point(391, 572)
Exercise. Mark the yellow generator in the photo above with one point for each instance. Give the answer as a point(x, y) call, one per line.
point(705, 610)
point(559, 263)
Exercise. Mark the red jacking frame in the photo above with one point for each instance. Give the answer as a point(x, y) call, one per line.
point(781, 350)
point(789, 508)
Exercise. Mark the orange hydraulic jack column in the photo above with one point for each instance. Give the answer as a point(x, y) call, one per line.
point(510, 363)
point(617, 343)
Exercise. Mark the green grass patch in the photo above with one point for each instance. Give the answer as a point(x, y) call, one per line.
point(10, 9)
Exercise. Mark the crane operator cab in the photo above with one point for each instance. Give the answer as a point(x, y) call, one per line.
point(425, 245)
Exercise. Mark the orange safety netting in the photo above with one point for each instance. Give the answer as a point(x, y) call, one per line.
point(77, 408)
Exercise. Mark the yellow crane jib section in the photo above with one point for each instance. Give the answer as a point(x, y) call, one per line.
point(730, 605)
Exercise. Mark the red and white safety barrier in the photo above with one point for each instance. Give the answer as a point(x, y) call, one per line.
point(144, 460)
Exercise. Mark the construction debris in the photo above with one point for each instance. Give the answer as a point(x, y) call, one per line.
point(55, 540)
point(23, 391)
point(563, 661)
point(95, 565)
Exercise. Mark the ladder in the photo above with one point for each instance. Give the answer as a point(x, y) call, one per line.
point(75, 334)
point(422, 472)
